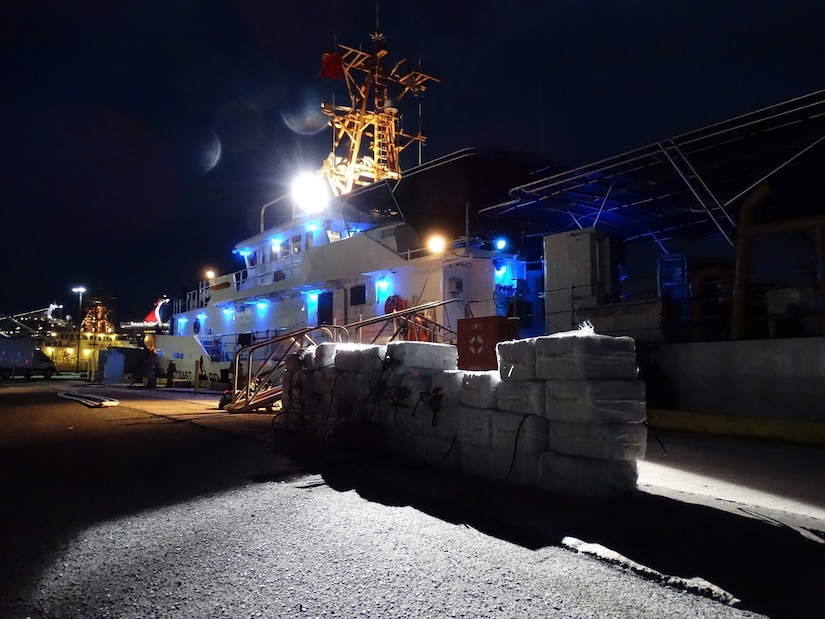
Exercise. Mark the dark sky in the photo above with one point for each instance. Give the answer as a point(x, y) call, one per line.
point(112, 110)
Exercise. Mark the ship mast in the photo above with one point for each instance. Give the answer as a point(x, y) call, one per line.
point(367, 136)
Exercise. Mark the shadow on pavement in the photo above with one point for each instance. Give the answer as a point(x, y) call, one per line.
point(771, 568)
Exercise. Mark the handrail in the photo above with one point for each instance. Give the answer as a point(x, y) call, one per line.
point(407, 317)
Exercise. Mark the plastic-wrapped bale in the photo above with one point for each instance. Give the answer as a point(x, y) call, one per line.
point(574, 357)
point(307, 357)
point(324, 355)
point(499, 465)
point(326, 415)
point(359, 357)
point(523, 396)
point(517, 441)
point(586, 477)
point(359, 387)
point(474, 426)
point(292, 380)
point(424, 355)
point(478, 389)
point(595, 401)
point(323, 368)
point(292, 399)
point(517, 359)
point(607, 441)
point(435, 450)
point(407, 386)
point(447, 385)
point(327, 379)
point(523, 433)
point(427, 419)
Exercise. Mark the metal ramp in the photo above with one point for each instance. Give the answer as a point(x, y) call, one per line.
point(258, 369)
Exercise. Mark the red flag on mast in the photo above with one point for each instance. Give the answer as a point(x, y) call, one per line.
point(332, 66)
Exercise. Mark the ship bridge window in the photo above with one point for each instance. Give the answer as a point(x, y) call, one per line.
point(285, 248)
point(333, 235)
point(308, 240)
point(358, 295)
point(296, 244)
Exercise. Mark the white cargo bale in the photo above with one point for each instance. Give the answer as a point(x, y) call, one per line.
point(478, 389)
point(326, 379)
point(324, 355)
point(308, 382)
point(384, 416)
point(586, 477)
point(405, 386)
point(425, 420)
point(474, 426)
point(424, 355)
point(523, 433)
point(347, 385)
point(373, 358)
point(359, 357)
point(595, 401)
point(583, 357)
point(614, 441)
point(517, 359)
point(440, 451)
point(307, 357)
point(292, 381)
point(516, 469)
point(522, 396)
point(448, 384)
point(499, 465)
point(370, 387)
point(358, 387)
point(293, 361)
point(347, 357)
point(441, 422)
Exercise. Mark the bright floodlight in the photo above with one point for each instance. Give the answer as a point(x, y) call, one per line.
point(436, 244)
point(79, 289)
point(310, 193)
point(210, 274)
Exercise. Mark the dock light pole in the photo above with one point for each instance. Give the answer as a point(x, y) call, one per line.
point(79, 291)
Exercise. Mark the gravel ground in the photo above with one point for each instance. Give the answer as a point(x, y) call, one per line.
point(302, 549)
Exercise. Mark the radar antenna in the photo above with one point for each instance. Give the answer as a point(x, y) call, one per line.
point(367, 134)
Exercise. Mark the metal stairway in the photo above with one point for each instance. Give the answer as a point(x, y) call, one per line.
point(258, 369)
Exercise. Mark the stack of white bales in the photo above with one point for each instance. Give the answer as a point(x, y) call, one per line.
point(417, 413)
point(564, 412)
point(587, 388)
point(346, 381)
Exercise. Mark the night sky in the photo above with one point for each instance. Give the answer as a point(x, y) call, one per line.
point(113, 113)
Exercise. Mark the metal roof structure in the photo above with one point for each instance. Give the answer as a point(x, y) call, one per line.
point(690, 185)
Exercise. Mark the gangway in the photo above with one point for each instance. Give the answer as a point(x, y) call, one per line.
point(258, 384)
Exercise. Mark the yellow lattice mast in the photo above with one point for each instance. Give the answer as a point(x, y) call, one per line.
point(367, 138)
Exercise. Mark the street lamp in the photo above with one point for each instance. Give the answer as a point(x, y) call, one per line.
point(79, 291)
